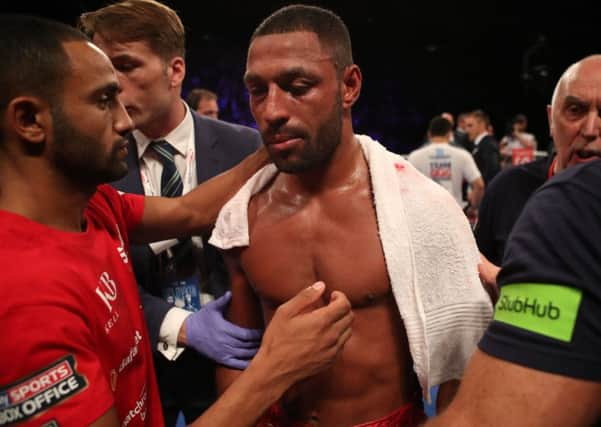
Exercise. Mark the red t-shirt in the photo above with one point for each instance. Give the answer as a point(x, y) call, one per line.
point(74, 341)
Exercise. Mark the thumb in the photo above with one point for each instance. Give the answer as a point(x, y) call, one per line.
point(304, 299)
point(222, 302)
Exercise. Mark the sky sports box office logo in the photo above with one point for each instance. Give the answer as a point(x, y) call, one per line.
point(36, 393)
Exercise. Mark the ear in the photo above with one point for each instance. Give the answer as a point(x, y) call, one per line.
point(29, 118)
point(351, 85)
point(176, 71)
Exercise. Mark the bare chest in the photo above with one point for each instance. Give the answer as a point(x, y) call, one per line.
point(333, 239)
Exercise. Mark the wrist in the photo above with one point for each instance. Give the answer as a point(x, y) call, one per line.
point(267, 376)
point(260, 158)
point(182, 339)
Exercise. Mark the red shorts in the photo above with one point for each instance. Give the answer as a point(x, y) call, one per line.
point(409, 415)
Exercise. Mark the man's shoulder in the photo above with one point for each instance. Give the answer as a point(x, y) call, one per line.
point(419, 152)
point(224, 131)
point(571, 194)
point(585, 174)
point(458, 151)
point(574, 192)
point(489, 141)
point(534, 173)
point(104, 201)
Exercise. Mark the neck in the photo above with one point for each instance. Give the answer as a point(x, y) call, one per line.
point(161, 126)
point(439, 140)
point(342, 169)
point(481, 135)
point(46, 198)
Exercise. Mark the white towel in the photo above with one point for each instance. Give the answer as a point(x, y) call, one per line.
point(431, 257)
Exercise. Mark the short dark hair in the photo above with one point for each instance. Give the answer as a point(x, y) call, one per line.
point(138, 20)
point(35, 60)
point(439, 126)
point(196, 95)
point(520, 118)
point(481, 115)
point(329, 28)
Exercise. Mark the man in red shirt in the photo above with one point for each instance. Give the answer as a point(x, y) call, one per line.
point(75, 345)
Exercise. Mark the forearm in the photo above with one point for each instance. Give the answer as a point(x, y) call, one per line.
point(242, 404)
point(196, 212)
point(475, 196)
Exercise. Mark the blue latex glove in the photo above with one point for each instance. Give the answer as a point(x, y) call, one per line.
point(209, 333)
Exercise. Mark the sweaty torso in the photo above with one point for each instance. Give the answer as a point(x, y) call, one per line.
point(332, 236)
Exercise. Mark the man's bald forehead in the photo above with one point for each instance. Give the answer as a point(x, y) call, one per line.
point(573, 72)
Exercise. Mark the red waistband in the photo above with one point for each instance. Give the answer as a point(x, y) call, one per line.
point(409, 415)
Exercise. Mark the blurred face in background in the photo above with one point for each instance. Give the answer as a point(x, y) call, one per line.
point(150, 85)
point(474, 126)
point(208, 107)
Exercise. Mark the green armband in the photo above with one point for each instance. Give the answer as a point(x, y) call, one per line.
point(543, 308)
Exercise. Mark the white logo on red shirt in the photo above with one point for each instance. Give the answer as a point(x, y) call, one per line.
point(107, 289)
point(133, 351)
point(121, 249)
point(139, 409)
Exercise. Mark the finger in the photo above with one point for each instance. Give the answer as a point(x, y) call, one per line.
point(344, 322)
point(234, 343)
point(222, 301)
point(243, 334)
point(338, 307)
point(343, 338)
point(235, 364)
point(341, 327)
point(303, 300)
point(244, 353)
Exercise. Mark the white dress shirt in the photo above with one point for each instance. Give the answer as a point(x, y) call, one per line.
point(151, 168)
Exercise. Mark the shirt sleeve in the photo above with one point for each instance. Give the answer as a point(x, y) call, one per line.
point(169, 332)
point(133, 209)
point(547, 317)
point(45, 378)
point(127, 207)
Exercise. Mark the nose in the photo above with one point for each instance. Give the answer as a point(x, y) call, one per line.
point(591, 128)
point(275, 112)
point(121, 120)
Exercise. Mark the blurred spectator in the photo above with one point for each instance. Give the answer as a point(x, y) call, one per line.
point(486, 150)
point(447, 165)
point(204, 102)
point(459, 136)
point(516, 137)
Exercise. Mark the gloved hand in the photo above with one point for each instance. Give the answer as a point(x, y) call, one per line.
point(209, 333)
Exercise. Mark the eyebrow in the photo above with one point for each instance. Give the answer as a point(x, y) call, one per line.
point(288, 74)
point(124, 57)
point(571, 99)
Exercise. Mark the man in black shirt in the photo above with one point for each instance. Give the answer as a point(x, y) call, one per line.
point(507, 194)
point(539, 362)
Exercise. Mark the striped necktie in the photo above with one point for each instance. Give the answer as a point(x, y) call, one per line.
point(171, 181)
